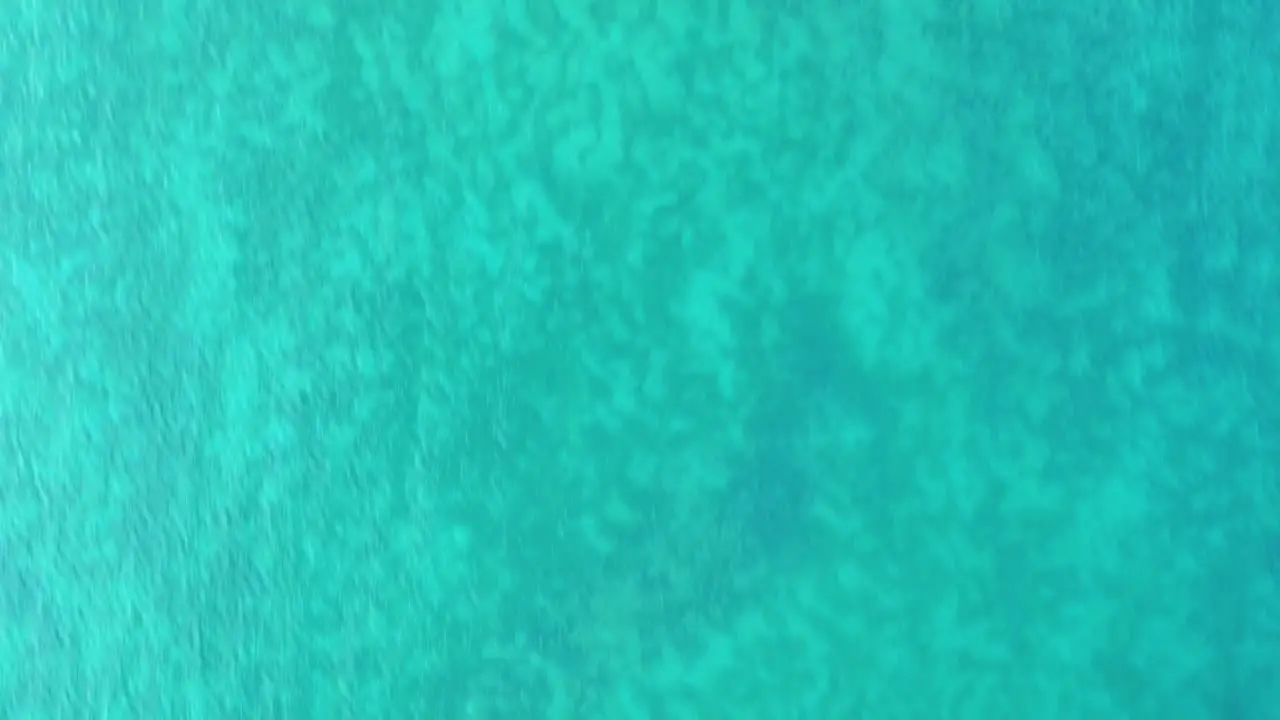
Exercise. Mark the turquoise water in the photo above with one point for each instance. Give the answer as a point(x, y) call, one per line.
point(665, 359)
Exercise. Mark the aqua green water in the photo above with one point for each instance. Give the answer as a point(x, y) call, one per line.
point(664, 359)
